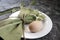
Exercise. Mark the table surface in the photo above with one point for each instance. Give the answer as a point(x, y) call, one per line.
point(53, 14)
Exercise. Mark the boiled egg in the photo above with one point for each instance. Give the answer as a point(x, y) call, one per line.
point(36, 26)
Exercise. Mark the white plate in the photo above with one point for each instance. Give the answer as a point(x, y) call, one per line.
point(47, 27)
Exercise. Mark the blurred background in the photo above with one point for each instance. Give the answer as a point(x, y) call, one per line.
point(49, 7)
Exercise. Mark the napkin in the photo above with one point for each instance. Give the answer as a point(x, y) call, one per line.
point(11, 29)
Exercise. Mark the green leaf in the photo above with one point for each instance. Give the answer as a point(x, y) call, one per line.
point(30, 18)
point(33, 2)
point(8, 21)
point(11, 31)
point(13, 10)
point(40, 17)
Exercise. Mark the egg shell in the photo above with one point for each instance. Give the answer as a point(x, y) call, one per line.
point(35, 26)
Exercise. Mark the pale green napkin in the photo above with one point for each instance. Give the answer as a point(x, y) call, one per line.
point(11, 29)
